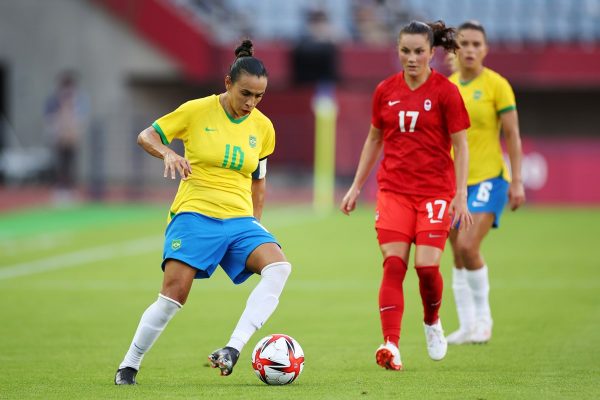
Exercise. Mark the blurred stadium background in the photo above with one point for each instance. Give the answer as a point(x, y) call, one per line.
point(74, 280)
point(139, 59)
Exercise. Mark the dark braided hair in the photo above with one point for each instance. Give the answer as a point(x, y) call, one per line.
point(245, 62)
point(437, 33)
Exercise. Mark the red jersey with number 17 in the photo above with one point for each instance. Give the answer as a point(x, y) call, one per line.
point(416, 127)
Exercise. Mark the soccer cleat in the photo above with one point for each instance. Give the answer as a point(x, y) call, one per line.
point(388, 357)
point(461, 336)
point(126, 376)
point(482, 333)
point(436, 342)
point(224, 359)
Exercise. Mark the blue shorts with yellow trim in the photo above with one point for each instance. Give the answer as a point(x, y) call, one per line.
point(489, 196)
point(204, 242)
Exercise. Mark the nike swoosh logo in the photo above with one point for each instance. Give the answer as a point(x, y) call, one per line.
point(386, 308)
point(207, 129)
point(435, 236)
point(393, 103)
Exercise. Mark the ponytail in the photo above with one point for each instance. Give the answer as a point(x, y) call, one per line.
point(437, 33)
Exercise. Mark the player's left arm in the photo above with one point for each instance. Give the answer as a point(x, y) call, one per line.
point(258, 197)
point(510, 129)
point(458, 207)
point(258, 188)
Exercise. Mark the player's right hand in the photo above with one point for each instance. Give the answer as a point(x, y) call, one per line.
point(460, 212)
point(174, 163)
point(348, 203)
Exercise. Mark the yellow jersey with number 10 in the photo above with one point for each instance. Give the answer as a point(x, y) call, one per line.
point(223, 153)
point(486, 98)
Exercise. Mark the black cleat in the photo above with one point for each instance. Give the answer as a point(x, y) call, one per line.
point(224, 359)
point(126, 376)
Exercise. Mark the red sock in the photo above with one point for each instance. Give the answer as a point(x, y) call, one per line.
point(431, 286)
point(391, 298)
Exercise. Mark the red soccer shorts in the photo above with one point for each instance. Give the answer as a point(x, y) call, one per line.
point(423, 220)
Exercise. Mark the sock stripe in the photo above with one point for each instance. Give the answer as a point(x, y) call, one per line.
point(178, 304)
point(269, 266)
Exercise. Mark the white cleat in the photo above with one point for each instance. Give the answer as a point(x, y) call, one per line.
point(388, 357)
point(461, 336)
point(436, 342)
point(482, 333)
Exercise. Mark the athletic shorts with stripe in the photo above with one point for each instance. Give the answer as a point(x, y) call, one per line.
point(204, 243)
point(423, 220)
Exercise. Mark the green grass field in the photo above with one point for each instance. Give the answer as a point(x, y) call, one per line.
point(73, 284)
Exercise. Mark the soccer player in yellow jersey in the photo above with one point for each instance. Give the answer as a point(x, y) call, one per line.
point(490, 102)
point(214, 219)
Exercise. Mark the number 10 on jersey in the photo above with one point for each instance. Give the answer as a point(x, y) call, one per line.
point(237, 158)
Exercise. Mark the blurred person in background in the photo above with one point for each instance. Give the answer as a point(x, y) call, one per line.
point(315, 54)
point(417, 117)
point(214, 219)
point(66, 117)
point(491, 104)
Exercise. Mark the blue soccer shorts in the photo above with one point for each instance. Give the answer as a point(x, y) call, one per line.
point(204, 242)
point(489, 196)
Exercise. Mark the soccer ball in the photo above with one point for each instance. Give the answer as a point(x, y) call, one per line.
point(277, 359)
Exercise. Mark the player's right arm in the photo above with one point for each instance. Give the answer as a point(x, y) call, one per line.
point(151, 141)
point(368, 157)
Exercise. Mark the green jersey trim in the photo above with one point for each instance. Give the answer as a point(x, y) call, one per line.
point(162, 135)
point(506, 109)
point(236, 121)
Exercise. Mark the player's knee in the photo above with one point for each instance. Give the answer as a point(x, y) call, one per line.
point(281, 270)
point(428, 276)
point(458, 260)
point(275, 275)
point(175, 290)
point(466, 250)
point(395, 268)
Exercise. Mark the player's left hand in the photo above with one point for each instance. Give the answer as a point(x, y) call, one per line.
point(516, 195)
point(460, 212)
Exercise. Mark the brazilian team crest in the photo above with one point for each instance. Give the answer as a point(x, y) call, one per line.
point(252, 141)
point(477, 94)
point(176, 244)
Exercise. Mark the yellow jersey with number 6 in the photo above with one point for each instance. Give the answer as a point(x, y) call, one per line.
point(223, 153)
point(486, 97)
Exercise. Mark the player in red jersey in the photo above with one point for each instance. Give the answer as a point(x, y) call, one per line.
point(417, 117)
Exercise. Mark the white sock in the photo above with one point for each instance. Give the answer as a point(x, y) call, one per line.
point(153, 322)
point(480, 287)
point(463, 297)
point(261, 303)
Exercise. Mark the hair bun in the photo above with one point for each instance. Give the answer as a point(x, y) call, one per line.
point(245, 49)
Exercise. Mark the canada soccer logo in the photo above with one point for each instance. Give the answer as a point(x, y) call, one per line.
point(427, 105)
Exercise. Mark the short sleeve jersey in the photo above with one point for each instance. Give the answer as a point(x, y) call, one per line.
point(223, 153)
point(486, 98)
point(417, 126)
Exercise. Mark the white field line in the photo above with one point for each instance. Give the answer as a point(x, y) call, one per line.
point(85, 256)
point(115, 250)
